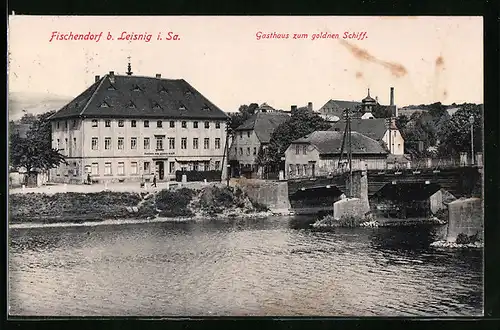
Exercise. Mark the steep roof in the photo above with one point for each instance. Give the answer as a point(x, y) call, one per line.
point(140, 97)
point(330, 142)
point(336, 107)
point(264, 124)
point(374, 128)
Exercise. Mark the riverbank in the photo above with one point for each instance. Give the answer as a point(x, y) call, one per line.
point(369, 221)
point(184, 204)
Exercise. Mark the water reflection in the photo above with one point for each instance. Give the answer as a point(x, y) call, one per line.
point(275, 266)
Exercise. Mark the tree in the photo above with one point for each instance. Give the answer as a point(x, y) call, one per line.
point(34, 152)
point(243, 114)
point(301, 123)
point(454, 134)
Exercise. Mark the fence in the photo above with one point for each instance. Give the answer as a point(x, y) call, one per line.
point(210, 176)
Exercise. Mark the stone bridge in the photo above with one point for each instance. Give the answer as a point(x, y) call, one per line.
point(396, 184)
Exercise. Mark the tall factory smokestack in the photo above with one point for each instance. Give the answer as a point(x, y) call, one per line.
point(392, 95)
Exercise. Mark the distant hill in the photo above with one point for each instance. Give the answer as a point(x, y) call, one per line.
point(34, 103)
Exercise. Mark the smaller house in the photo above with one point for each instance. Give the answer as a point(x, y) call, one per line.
point(377, 129)
point(254, 134)
point(318, 154)
point(333, 109)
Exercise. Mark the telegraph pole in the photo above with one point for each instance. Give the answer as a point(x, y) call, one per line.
point(349, 152)
point(471, 121)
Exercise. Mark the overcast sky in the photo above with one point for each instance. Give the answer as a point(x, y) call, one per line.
point(426, 59)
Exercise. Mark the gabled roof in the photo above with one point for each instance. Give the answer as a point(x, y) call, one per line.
point(264, 124)
point(140, 97)
point(374, 128)
point(336, 107)
point(264, 107)
point(330, 143)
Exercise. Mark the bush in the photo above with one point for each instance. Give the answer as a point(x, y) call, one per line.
point(344, 221)
point(466, 239)
point(174, 203)
point(259, 207)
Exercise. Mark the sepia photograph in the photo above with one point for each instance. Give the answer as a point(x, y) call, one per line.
point(176, 166)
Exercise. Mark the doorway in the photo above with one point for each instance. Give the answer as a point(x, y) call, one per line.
point(160, 170)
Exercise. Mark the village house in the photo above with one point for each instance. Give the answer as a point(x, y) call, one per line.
point(126, 128)
point(318, 154)
point(333, 110)
point(254, 134)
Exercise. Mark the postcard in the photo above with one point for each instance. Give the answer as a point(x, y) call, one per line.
point(245, 166)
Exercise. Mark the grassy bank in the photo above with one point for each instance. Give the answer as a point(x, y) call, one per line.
point(210, 201)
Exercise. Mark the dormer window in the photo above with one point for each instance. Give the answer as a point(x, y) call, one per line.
point(111, 88)
point(182, 107)
point(156, 106)
point(163, 90)
point(131, 105)
point(188, 93)
point(136, 88)
point(206, 108)
point(104, 105)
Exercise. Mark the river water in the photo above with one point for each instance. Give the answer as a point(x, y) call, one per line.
point(276, 266)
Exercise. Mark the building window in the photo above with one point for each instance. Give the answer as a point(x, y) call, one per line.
point(159, 124)
point(159, 143)
point(171, 167)
point(184, 124)
point(95, 143)
point(195, 166)
point(297, 168)
point(133, 143)
point(217, 165)
point(58, 144)
point(217, 143)
point(74, 144)
point(206, 143)
point(241, 135)
point(121, 168)
point(95, 169)
point(254, 151)
point(305, 169)
point(217, 125)
point(172, 124)
point(297, 149)
point(248, 151)
point(207, 124)
point(133, 168)
point(184, 143)
point(248, 134)
point(107, 143)
point(107, 123)
point(146, 123)
point(195, 124)
point(120, 143)
point(74, 125)
point(146, 143)
point(304, 150)
point(121, 123)
point(66, 124)
point(107, 169)
point(147, 168)
point(57, 124)
point(290, 169)
point(66, 145)
point(195, 143)
point(94, 123)
point(171, 143)
point(133, 123)
point(241, 151)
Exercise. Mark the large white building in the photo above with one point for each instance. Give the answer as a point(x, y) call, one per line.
point(125, 128)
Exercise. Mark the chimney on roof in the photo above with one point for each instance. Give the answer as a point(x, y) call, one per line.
point(293, 108)
point(97, 78)
point(376, 99)
point(310, 106)
point(392, 95)
point(158, 76)
point(112, 76)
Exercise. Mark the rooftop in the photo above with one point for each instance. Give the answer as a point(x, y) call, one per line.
point(374, 128)
point(116, 96)
point(264, 124)
point(330, 142)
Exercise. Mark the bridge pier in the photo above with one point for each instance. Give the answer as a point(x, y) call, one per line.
point(356, 205)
